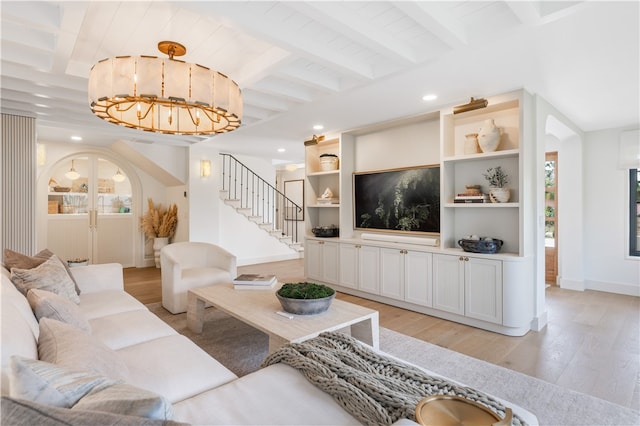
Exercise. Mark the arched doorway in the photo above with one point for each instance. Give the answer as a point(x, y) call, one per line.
point(90, 215)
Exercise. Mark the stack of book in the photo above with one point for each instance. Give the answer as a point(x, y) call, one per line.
point(254, 282)
point(465, 198)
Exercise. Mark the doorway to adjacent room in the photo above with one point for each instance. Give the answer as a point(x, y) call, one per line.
point(551, 218)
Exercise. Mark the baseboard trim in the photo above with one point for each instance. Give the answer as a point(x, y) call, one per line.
point(618, 288)
point(539, 322)
point(571, 284)
point(266, 259)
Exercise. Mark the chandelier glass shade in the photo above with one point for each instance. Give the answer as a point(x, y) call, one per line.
point(72, 174)
point(164, 95)
point(118, 177)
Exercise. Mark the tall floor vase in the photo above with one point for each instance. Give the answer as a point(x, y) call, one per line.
point(158, 243)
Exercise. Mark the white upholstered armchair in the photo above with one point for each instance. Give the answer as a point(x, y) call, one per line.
point(188, 265)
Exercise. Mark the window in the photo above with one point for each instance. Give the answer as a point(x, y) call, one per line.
point(634, 212)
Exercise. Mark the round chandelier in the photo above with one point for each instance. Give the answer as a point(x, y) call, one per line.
point(164, 95)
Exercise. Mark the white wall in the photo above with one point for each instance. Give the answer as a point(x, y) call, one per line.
point(607, 265)
point(404, 146)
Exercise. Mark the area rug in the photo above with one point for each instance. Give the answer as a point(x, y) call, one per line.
point(241, 348)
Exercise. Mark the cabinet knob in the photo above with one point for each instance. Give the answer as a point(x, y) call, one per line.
point(466, 259)
point(461, 258)
point(358, 246)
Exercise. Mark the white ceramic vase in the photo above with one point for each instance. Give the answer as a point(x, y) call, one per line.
point(471, 143)
point(499, 195)
point(158, 243)
point(489, 136)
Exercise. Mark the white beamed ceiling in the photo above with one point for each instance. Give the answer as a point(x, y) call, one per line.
point(341, 64)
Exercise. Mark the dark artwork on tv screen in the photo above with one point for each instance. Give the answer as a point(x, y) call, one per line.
point(406, 200)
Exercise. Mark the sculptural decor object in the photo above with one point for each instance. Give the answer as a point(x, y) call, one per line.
point(489, 136)
point(471, 143)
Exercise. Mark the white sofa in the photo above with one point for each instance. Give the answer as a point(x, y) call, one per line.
point(187, 265)
point(201, 390)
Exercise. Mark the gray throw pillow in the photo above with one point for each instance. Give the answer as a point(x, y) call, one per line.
point(22, 412)
point(46, 304)
point(50, 276)
point(50, 384)
point(68, 346)
point(13, 259)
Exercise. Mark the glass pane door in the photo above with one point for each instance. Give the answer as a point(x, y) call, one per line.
point(551, 217)
point(90, 211)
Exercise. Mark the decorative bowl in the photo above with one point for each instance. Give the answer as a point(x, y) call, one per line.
point(77, 262)
point(303, 298)
point(305, 306)
point(483, 245)
point(326, 231)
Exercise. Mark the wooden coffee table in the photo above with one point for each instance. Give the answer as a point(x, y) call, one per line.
point(258, 309)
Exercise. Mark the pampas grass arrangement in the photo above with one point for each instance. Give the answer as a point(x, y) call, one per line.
point(158, 222)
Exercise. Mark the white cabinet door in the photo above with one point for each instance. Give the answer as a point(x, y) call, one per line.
point(313, 259)
point(368, 269)
point(392, 273)
point(330, 262)
point(417, 277)
point(483, 289)
point(321, 258)
point(359, 267)
point(348, 265)
point(448, 283)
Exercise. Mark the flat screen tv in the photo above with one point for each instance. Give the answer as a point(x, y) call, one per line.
point(398, 200)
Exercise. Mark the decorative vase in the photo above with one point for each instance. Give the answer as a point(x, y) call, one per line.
point(158, 243)
point(489, 136)
point(471, 143)
point(499, 195)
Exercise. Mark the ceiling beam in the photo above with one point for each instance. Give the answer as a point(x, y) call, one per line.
point(332, 15)
point(437, 20)
point(284, 34)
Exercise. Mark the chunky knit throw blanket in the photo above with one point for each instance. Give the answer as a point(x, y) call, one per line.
point(375, 389)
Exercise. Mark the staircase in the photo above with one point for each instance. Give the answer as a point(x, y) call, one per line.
point(260, 202)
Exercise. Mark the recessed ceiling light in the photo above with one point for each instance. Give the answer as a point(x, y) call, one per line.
point(42, 106)
point(430, 97)
point(318, 127)
point(281, 150)
point(76, 138)
point(40, 95)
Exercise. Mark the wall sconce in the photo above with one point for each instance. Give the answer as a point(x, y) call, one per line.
point(42, 154)
point(473, 104)
point(205, 168)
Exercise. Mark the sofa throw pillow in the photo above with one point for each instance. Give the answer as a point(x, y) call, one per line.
point(68, 346)
point(22, 412)
point(123, 398)
point(13, 259)
point(50, 384)
point(50, 276)
point(46, 304)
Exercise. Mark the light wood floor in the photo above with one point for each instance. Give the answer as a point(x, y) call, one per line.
point(591, 343)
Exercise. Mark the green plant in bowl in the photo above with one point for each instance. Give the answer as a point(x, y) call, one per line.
point(305, 298)
point(305, 290)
